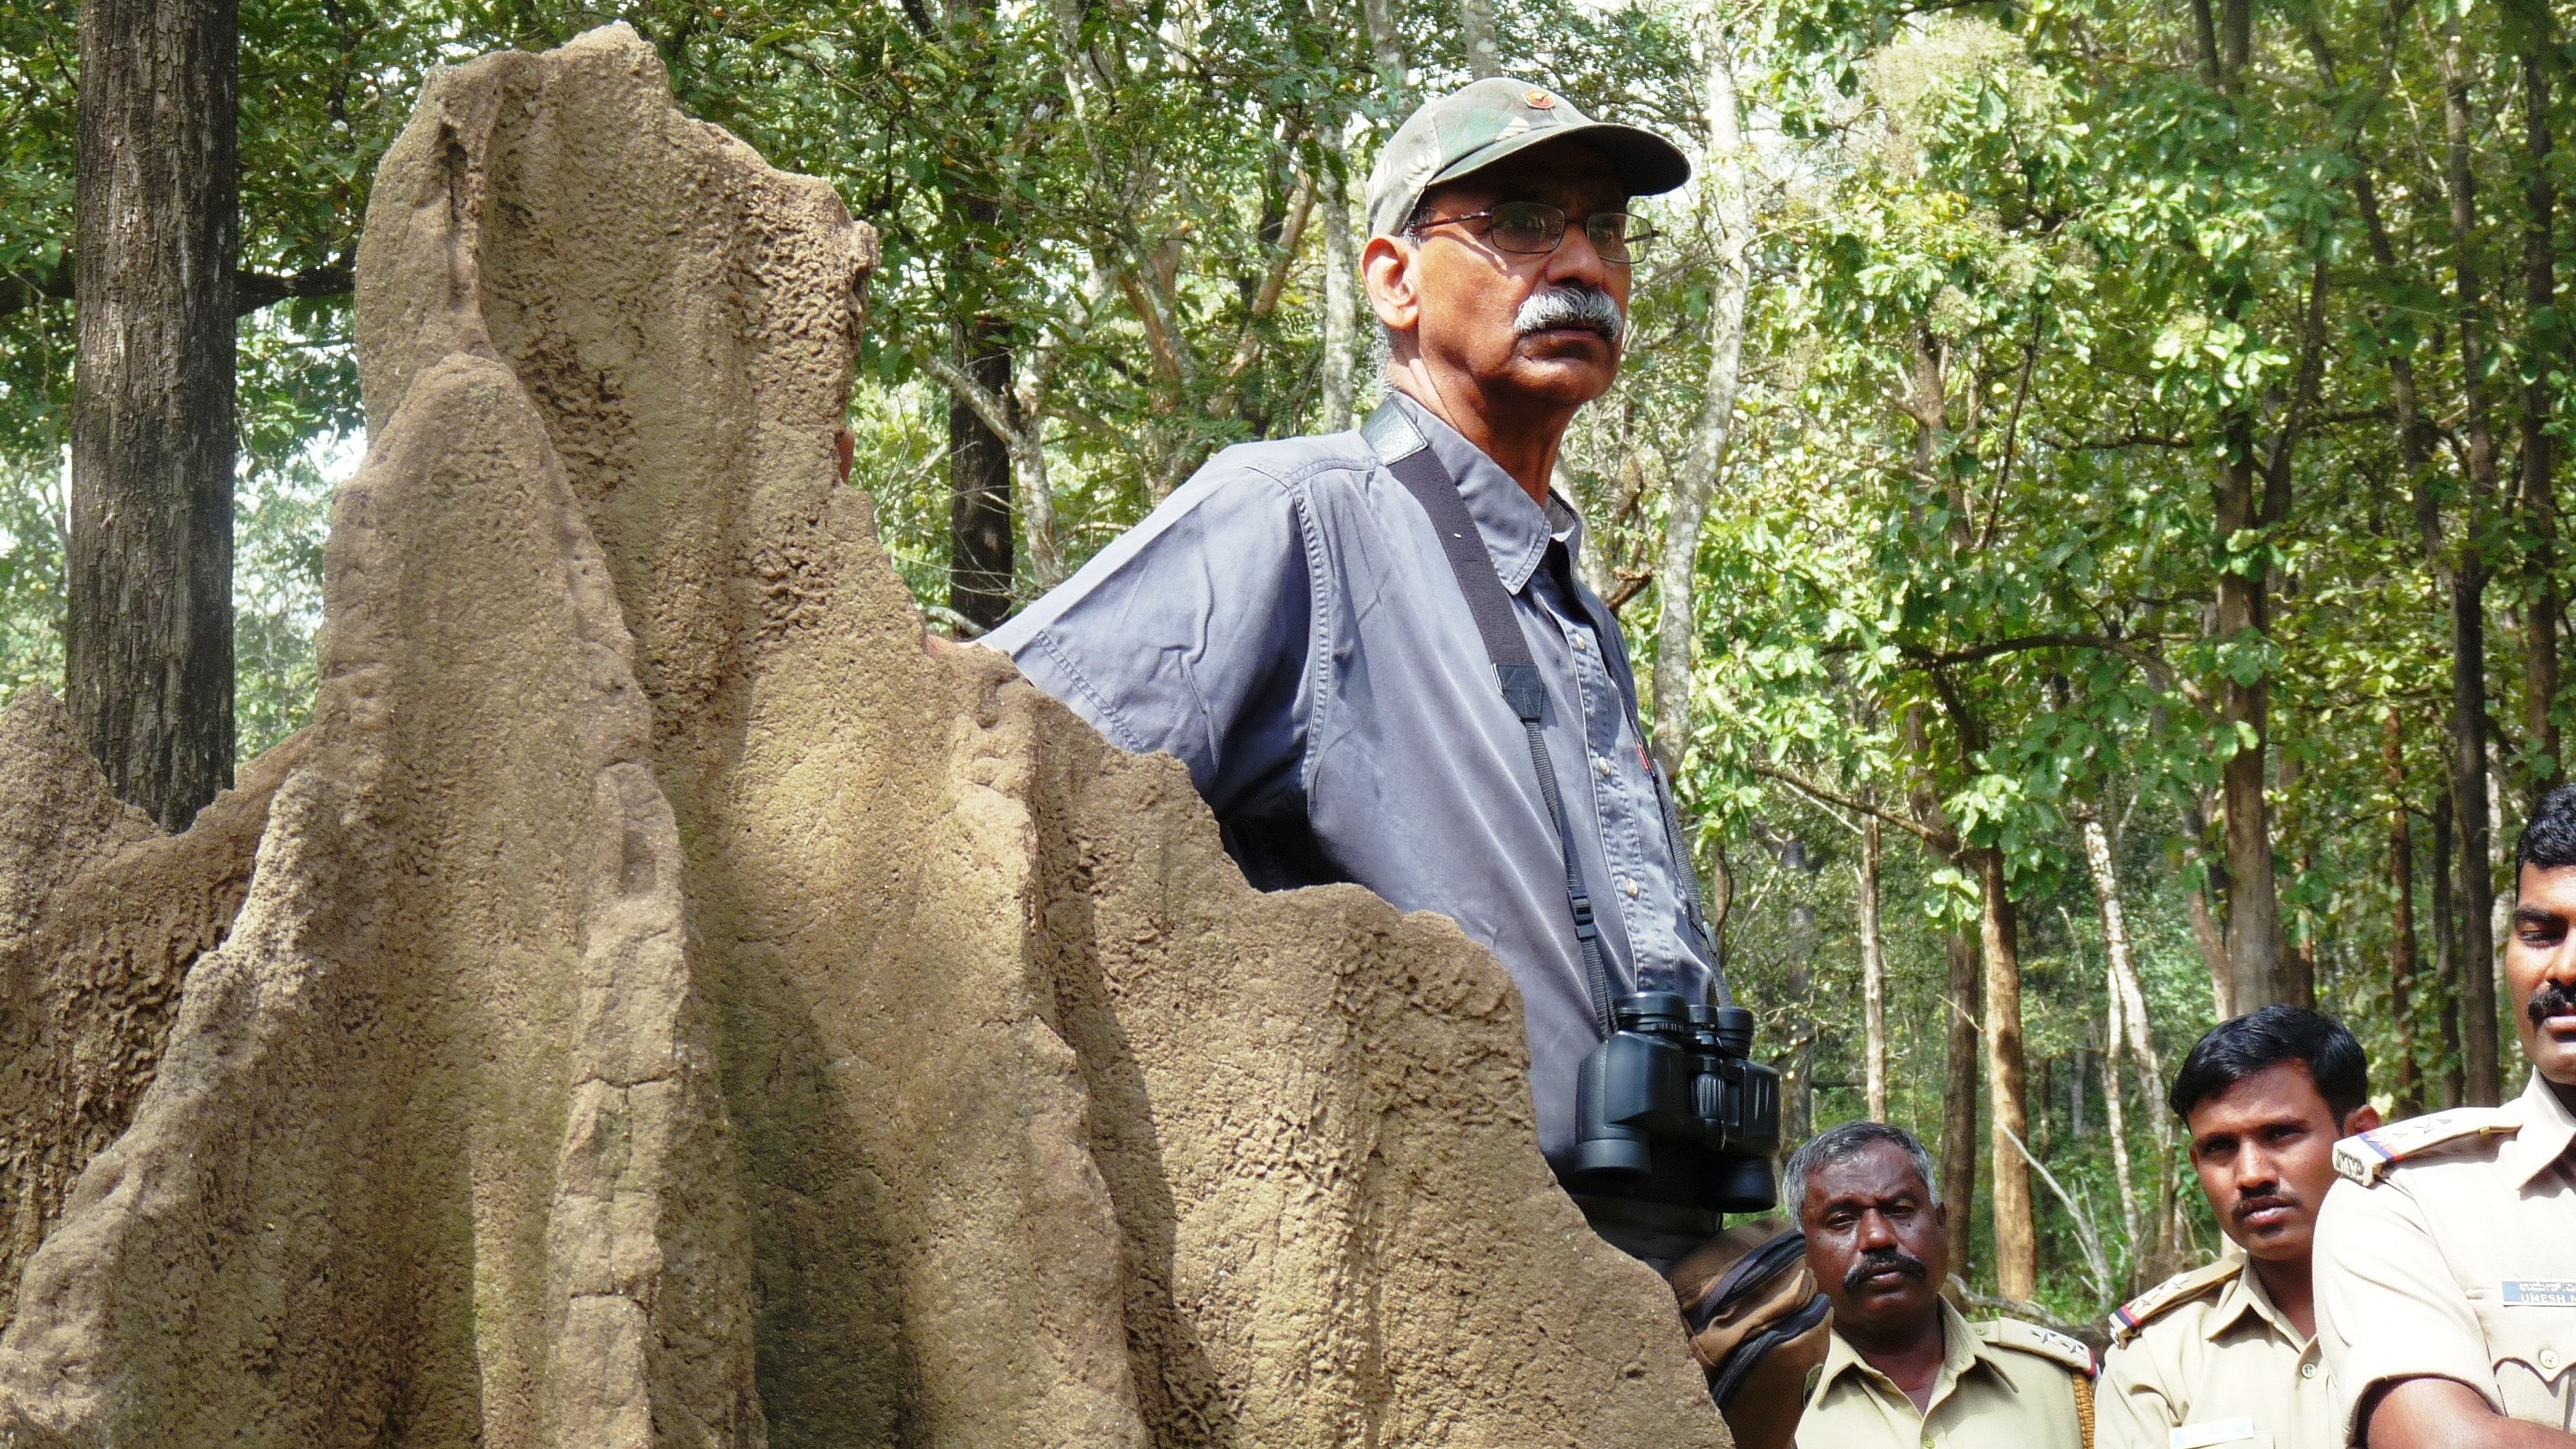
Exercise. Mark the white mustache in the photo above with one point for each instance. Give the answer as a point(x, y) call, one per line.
point(1571, 306)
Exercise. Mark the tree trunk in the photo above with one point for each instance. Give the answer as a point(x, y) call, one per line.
point(148, 624)
point(2543, 348)
point(2253, 900)
point(1341, 293)
point(2131, 1225)
point(2007, 1073)
point(2446, 951)
point(1476, 35)
point(1386, 50)
point(2407, 1089)
point(1873, 975)
point(1695, 483)
point(1959, 1102)
point(2468, 621)
point(979, 485)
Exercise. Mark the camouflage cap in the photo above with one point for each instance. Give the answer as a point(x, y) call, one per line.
point(1471, 128)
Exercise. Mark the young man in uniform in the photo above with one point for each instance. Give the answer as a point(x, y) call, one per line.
point(1904, 1370)
point(2225, 1356)
point(2446, 1261)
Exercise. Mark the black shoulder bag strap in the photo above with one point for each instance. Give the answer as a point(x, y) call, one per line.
point(1407, 454)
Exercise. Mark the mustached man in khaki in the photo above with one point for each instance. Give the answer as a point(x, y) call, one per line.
point(2446, 1262)
point(1905, 1370)
point(2225, 1356)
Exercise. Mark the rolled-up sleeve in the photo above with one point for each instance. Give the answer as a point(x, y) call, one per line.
point(1189, 635)
point(2388, 1307)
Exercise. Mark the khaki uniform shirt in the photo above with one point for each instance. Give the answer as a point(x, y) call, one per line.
point(2450, 1252)
point(2003, 1385)
point(2205, 1361)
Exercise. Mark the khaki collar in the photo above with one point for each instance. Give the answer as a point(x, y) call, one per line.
point(2546, 1129)
point(2246, 1294)
point(1961, 1349)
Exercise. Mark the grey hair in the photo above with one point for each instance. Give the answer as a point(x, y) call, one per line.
point(1843, 1143)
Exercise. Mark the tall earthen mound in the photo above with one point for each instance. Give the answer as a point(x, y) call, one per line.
point(670, 1008)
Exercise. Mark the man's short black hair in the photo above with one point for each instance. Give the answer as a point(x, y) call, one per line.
point(2241, 1046)
point(2549, 836)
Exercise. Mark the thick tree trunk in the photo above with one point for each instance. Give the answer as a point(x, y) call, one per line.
point(1873, 976)
point(2405, 1087)
point(1695, 483)
point(148, 634)
point(1386, 50)
point(2253, 900)
point(979, 485)
point(2544, 349)
point(1965, 1001)
point(2007, 1075)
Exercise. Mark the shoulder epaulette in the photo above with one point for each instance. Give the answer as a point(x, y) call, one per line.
point(2179, 1289)
point(2058, 1348)
point(2366, 1157)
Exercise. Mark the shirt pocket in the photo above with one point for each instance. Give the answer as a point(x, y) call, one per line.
point(2219, 1434)
point(2532, 1346)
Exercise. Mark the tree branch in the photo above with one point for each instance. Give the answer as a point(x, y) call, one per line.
point(1940, 840)
point(251, 290)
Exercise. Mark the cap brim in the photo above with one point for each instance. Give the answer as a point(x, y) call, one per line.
point(1648, 165)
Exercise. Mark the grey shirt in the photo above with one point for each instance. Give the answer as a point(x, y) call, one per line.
point(1287, 626)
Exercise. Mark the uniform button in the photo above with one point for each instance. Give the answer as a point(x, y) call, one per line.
point(2549, 1359)
point(2307, 1370)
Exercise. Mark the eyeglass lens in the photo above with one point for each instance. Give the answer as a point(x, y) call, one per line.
point(1532, 227)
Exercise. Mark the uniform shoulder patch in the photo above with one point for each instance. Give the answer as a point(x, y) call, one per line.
point(2172, 1293)
point(2366, 1157)
point(2066, 1352)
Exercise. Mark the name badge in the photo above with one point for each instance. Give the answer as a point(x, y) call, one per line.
point(2539, 1293)
point(2215, 1431)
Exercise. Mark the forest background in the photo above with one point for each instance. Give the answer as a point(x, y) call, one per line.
point(2082, 490)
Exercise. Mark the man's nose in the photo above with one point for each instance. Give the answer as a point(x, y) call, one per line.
point(1876, 1231)
point(1576, 259)
point(2255, 1172)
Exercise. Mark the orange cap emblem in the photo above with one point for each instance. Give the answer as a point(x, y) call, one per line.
point(1539, 100)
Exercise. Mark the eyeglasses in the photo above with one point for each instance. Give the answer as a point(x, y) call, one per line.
point(1535, 229)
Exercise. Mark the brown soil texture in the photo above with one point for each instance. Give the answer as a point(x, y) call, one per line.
point(658, 1003)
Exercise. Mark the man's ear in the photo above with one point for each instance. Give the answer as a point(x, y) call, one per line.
point(2361, 1119)
point(1386, 264)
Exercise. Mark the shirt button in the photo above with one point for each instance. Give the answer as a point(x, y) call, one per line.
point(2549, 1359)
point(1601, 765)
point(1630, 887)
point(2307, 1370)
point(1581, 643)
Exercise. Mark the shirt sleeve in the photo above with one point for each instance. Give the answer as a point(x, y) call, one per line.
point(1189, 635)
point(2130, 1402)
point(2387, 1306)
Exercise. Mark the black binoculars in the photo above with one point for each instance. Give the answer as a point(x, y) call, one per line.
point(1673, 1109)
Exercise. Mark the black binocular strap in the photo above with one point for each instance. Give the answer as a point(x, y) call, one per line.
point(1424, 476)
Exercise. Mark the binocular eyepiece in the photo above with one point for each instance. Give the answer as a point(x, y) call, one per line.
point(1673, 1109)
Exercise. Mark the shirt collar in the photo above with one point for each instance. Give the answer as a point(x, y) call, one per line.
point(1961, 1351)
point(2245, 1294)
point(1516, 531)
point(2547, 1128)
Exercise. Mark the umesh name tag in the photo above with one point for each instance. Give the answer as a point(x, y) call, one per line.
point(2210, 1432)
point(2539, 1293)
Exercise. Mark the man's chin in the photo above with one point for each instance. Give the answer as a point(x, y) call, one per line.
point(2551, 1045)
point(1569, 374)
